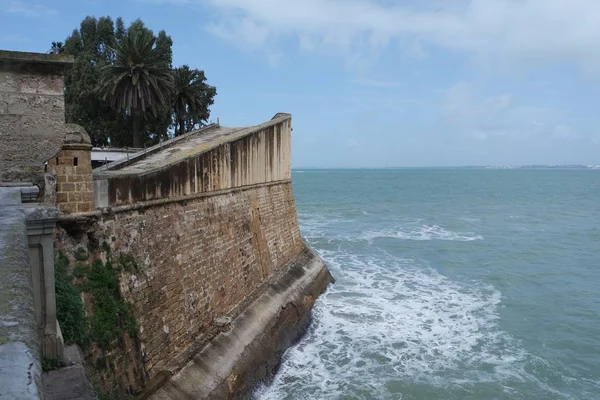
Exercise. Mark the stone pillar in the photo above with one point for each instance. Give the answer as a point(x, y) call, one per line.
point(73, 168)
point(40, 227)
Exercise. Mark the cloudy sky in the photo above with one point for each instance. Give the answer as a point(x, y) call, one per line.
point(378, 83)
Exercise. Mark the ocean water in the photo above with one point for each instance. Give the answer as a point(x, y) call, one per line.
point(451, 284)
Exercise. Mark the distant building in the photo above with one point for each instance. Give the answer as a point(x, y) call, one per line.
point(105, 155)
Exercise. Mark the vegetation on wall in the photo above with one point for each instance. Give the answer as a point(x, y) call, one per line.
point(110, 315)
point(70, 311)
point(50, 364)
point(122, 89)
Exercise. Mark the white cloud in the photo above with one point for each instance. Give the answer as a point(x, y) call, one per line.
point(27, 9)
point(465, 111)
point(505, 33)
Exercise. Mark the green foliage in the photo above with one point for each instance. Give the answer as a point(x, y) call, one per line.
point(93, 46)
point(111, 315)
point(139, 79)
point(80, 271)
point(57, 48)
point(108, 119)
point(127, 262)
point(192, 98)
point(70, 311)
point(81, 254)
point(50, 364)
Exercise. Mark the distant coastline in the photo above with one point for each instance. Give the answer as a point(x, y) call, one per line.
point(533, 166)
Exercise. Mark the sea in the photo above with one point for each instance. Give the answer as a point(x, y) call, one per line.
point(459, 283)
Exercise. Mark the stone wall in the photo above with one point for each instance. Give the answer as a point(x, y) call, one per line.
point(31, 113)
point(220, 250)
point(200, 260)
point(247, 156)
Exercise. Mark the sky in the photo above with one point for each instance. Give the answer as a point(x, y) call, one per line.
point(378, 83)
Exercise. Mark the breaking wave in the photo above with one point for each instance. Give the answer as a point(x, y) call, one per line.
point(387, 320)
point(423, 232)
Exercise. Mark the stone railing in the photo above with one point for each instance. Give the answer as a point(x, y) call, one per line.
point(20, 370)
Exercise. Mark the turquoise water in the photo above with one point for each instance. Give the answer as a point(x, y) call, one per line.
point(451, 284)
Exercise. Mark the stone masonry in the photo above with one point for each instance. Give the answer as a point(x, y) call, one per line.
point(199, 261)
point(32, 122)
point(73, 169)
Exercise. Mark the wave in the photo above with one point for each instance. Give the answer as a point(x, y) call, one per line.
point(423, 232)
point(387, 320)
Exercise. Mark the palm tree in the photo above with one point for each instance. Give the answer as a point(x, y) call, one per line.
point(138, 80)
point(57, 48)
point(192, 96)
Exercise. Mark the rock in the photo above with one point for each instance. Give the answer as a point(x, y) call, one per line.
point(223, 322)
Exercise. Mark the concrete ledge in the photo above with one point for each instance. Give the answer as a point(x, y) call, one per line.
point(233, 363)
point(20, 371)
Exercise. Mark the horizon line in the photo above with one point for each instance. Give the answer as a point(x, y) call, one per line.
point(585, 166)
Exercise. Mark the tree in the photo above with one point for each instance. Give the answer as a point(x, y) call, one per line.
point(192, 98)
point(138, 80)
point(93, 46)
point(83, 106)
point(57, 48)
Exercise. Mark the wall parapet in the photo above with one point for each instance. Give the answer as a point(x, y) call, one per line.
point(215, 158)
point(19, 340)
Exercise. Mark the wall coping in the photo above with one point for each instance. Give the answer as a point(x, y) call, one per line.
point(112, 169)
point(17, 59)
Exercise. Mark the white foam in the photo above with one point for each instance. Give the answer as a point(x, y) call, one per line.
point(422, 232)
point(387, 319)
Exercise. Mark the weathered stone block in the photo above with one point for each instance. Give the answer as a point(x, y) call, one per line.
point(67, 208)
point(51, 125)
point(9, 125)
point(84, 207)
point(8, 82)
point(75, 178)
point(33, 104)
point(62, 197)
point(75, 197)
point(41, 84)
point(27, 148)
point(65, 187)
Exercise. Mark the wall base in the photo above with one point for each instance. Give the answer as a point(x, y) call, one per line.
point(231, 365)
point(53, 345)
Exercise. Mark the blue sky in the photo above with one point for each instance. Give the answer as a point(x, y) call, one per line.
point(378, 83)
